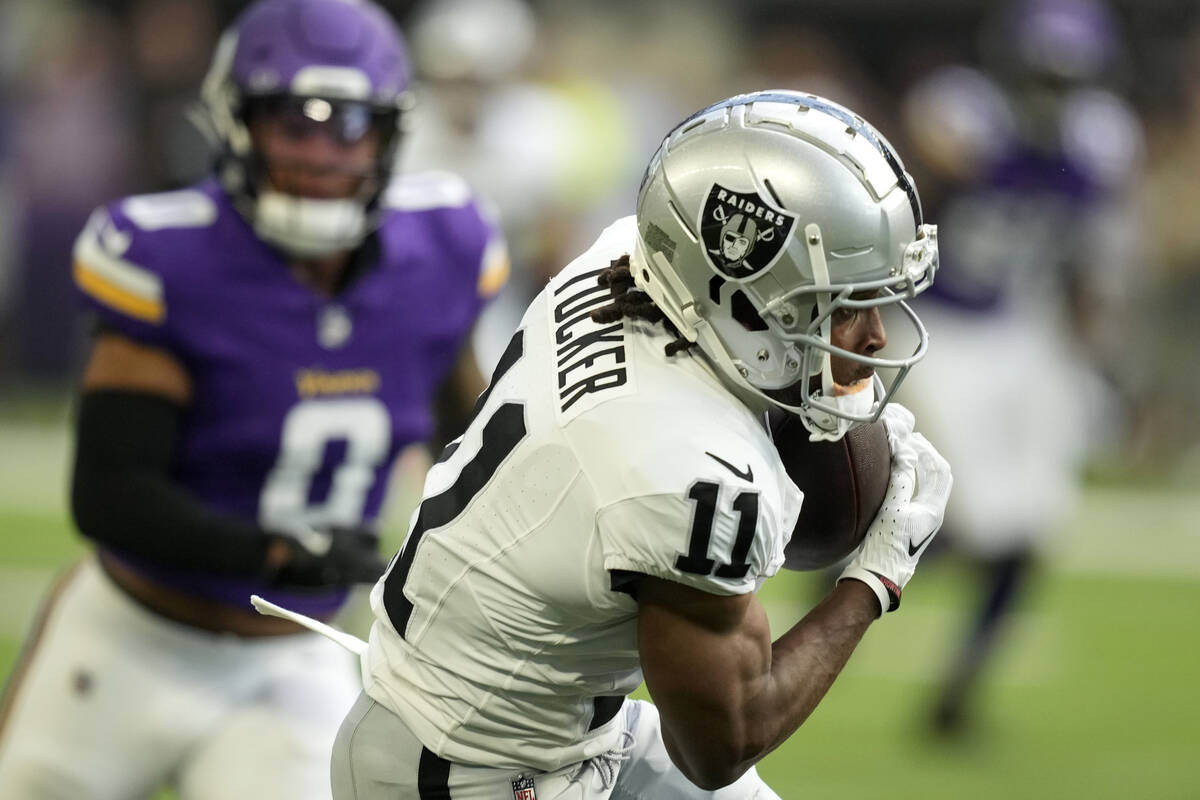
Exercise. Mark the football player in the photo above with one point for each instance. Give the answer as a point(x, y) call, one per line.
point(268, 341)
point(1036, 163)
point(617, 500)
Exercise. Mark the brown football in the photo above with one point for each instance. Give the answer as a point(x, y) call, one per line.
point(844, 483)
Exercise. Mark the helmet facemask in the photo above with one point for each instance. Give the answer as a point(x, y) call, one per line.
point(828, 407)
point(345, 94)
point(304, 225)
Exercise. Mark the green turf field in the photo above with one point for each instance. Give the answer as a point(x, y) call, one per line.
point(1096, 696)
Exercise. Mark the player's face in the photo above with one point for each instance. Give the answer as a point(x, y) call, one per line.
point(313, 148)
point(859, 330)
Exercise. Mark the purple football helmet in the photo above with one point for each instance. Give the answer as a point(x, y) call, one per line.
point(338, 64)
point(1067, 40)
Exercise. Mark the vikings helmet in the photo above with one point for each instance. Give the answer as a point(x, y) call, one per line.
point(758, 218)
point(1073, 41)
point(337, 63)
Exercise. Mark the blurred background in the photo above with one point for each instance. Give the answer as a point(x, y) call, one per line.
point(1048, 648)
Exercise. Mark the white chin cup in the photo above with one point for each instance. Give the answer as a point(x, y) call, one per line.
point(307, 227)
point(823, 425)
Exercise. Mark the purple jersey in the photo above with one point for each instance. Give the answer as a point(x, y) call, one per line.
point(1016, 227)
point(1035, 222)
point(300, 402)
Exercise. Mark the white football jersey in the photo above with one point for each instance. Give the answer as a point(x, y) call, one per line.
point(505, 632)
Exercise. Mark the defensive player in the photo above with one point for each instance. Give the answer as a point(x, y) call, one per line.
point(1036, 163)
point(268, 341)
point(616, 501)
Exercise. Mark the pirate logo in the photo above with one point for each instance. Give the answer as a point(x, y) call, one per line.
point(743, 234)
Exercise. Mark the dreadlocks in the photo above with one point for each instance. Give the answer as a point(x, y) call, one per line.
point(631, 303)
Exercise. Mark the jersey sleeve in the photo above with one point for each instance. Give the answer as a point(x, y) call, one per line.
point(472, 238)
point(687, 484)
point(115, 277)
point(720, 538)
point(702, 505)
point(468, 224)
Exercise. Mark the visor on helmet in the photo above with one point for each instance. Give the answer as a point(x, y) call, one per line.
point(345, 122)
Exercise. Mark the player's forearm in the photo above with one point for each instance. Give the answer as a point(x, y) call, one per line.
point(807, 659)
point(147, 517)
point(728, 696)
point(804, 663)
point(122, 496)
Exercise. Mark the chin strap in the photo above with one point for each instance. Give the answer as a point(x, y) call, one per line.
point(853, 401)
point(822, 425)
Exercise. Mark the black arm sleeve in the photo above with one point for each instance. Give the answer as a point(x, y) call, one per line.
point(122, 494)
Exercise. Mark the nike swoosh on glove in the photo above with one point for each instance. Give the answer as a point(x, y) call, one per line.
point(912, 511)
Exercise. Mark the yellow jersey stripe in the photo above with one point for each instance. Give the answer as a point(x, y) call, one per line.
point(494, 278)
point(107, 292)
point(494, 267)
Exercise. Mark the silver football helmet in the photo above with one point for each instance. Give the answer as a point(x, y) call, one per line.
point(758, 218)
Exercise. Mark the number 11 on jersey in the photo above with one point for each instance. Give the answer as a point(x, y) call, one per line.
point(696, 561)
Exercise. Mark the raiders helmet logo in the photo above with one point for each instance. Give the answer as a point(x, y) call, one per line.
point(743, 234)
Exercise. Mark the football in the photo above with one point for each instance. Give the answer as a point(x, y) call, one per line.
point(844, 483)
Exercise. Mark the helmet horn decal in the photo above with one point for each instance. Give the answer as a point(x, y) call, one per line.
point(743, 233)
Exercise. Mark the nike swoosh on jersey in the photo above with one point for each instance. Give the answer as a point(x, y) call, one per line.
point(748, 475)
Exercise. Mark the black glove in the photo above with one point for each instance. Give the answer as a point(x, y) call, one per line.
point(336, 557)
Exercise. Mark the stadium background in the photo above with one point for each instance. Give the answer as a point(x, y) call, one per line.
point(1095, 694)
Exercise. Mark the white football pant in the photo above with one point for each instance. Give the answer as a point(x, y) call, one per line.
point(376, 757)
point(111, 701)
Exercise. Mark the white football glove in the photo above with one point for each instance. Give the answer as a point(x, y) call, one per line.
point(911, 514)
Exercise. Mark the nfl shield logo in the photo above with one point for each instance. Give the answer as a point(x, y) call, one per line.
point(523, 788)
point(743, 234)
point(334, 326)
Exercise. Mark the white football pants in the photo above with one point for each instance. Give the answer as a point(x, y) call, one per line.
point(376, 757)
point(111, 701)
